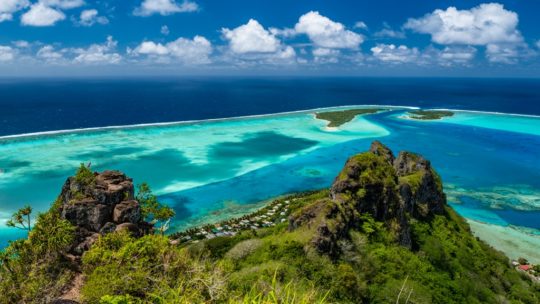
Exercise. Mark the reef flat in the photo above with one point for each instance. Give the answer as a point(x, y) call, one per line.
point(202, 169)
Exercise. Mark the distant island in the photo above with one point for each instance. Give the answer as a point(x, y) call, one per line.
point(383, 233)
point(338, 118)
point(429, 114)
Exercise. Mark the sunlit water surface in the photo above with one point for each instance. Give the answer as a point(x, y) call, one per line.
point(213, 170)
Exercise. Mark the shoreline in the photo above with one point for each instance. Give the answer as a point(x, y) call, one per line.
point(245, 117)
point(191, 122)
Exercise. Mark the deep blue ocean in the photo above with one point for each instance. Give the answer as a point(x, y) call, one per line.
point(34, 105)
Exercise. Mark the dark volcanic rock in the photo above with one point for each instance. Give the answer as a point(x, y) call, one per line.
point(87, 213)
point(391, 190)
point(98, 205)
point(127, 211)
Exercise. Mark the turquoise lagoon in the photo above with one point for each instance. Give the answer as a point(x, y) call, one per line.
point(211, 170)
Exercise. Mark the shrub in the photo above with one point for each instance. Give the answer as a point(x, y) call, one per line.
point(243, 249)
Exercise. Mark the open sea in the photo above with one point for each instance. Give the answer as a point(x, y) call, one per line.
point(213, 148)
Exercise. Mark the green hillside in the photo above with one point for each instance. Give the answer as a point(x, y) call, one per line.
point(383, 233)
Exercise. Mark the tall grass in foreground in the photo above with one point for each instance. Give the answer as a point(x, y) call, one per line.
point(277, 295)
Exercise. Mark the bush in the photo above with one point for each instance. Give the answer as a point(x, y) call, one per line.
point(243, 249)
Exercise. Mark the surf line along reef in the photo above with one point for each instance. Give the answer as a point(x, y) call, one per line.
point(382, 233)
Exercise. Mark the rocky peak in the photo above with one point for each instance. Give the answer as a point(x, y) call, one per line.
point(381, 150)
point(391, 190)
point(100, 203)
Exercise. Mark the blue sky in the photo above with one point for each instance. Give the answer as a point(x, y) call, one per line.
point(299, 37)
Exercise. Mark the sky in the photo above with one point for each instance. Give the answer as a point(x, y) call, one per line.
point(293, 37)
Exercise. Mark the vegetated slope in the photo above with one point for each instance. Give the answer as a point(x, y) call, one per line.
point(382, 233)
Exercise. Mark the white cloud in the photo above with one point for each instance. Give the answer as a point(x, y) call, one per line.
point(507, 53)
point(42, 15)
point(361, 25)
point(251, 44)
point(22, 44)
point(452, 55)
point(186, 51)
point(63, 4)
point(286, 32)
point(49, 54)
point(326, 33)
point(251, 38)
point(388, 32)
point(538, 44)
point(98, 53)
point(484, 24)
point(394, 54)
point(323, 55)
point(8, 7)
point(164, 7)
point(90, 17)
point(7, 53)
point(165, 30)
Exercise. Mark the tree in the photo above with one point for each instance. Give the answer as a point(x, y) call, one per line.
point(152, 209)
point(21, 219)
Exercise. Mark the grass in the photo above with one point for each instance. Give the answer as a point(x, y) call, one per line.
point(430, 115)
point(338, 118)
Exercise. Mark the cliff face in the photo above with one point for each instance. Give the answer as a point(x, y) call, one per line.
point(100, 204)
point(391, 190)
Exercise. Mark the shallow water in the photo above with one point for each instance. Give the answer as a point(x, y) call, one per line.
point(212, 170)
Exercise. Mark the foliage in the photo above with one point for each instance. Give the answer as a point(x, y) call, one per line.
point(338, 118)
point(35, 269)
point(85, 176)
point(430, 114)
point(152, 209)
point(21, 219)
point(278, 264)
point(149, 269)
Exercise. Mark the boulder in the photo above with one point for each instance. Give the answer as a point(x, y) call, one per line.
point(87, 213)
point(127, 211)
point(100, 205)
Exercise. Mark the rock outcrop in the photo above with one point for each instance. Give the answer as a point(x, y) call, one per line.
point(100, 204)
point(389, 189)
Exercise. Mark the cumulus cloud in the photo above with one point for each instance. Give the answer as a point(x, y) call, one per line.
point(361, 25)
point(508, 53)
point(90, 17)
point(485, 24)
point(7, 53)
point(252, 42)
point(323, 55)
point(164, 7)
point(451, 55)
point(388, 32)
point(165, 30)
point(251, 37)
point(42, 15)
point(8, 7)
point(22, 44)
point(186, 51)
point(49, 54)
point(63, 4)
point(394, 54)
point(98, 53)
point(326, 33)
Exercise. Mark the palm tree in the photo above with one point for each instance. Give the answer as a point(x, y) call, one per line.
point(21, 219)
